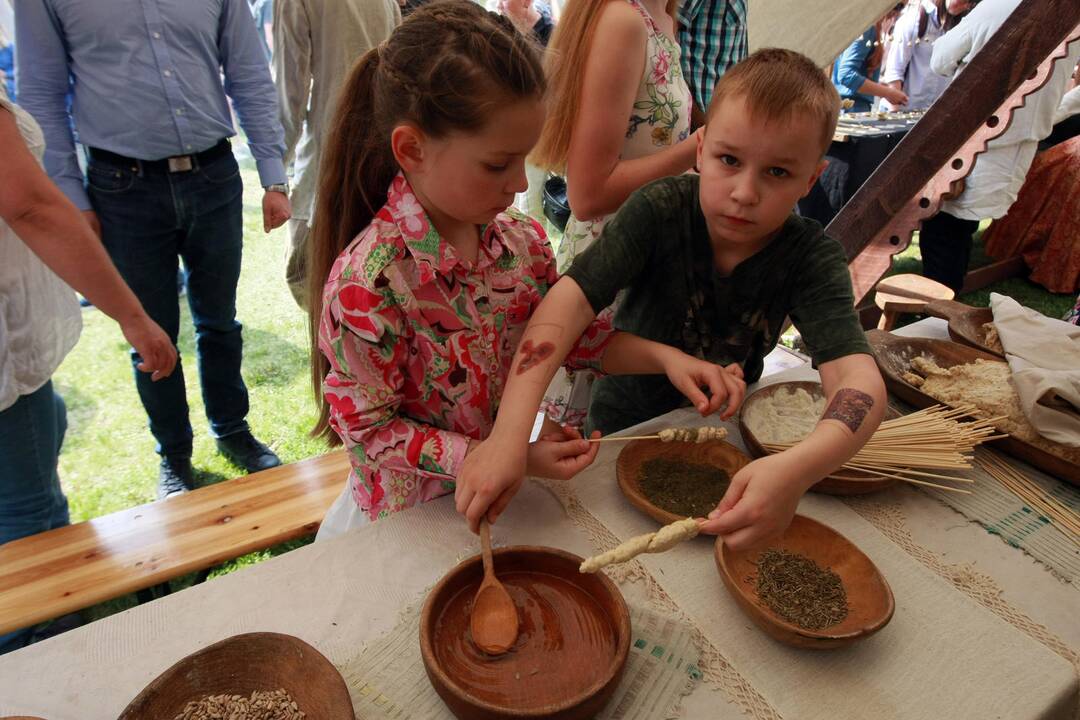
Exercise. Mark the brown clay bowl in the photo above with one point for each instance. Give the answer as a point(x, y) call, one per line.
point(718, 453)
point(841, 482)
point(240, 665)
point(870, 601)
point(571, 650)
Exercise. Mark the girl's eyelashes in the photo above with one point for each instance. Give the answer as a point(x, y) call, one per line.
point(495, 168)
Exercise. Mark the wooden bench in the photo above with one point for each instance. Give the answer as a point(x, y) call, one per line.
point(64, 570)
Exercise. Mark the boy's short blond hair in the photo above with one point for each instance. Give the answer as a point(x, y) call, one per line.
point(780, 84)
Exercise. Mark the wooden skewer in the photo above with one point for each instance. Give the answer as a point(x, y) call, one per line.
point(623, 438)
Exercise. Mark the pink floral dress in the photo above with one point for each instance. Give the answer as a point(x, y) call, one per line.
point(420, 344)
point(660, 118)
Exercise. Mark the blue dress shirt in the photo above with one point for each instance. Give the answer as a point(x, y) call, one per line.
point(146, 81)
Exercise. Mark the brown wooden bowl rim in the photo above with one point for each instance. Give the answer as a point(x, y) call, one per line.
point(275, 637)
point(721, 552)
point(618, 662)
point(632, 490)
point(837, 479)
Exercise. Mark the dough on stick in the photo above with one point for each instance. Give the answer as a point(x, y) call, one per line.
point(663, 539)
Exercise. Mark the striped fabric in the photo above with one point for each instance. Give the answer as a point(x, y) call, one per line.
point(713, 37)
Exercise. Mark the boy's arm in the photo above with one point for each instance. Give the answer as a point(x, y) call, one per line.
point(763, 496)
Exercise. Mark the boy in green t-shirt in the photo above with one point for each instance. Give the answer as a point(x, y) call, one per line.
point(711, 264)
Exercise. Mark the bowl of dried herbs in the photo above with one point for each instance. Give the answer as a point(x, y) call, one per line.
point(672, 481)
point(812, 588)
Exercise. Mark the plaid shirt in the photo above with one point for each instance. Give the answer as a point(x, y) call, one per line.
point(713, 37)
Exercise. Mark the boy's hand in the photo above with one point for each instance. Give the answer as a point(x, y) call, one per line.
point(725, 384)
point(759, 504)
point(561, 455)
point(489, 478)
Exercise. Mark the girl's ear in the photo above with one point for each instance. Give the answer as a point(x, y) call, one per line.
point(408, 145)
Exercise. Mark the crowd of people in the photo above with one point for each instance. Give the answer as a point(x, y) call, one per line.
point(439, 322)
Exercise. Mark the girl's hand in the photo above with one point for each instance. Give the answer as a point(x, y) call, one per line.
point(490, 476)
point(725, 384)
point(561, 455)
point(153, 345)
point(759, 504)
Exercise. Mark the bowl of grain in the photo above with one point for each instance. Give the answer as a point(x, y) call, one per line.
point(572, 645)
point(787, 412)
point(256, 676)
point(812, 588)
point(669, 481)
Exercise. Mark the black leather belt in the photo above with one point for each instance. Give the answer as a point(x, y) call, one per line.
point(179, 163)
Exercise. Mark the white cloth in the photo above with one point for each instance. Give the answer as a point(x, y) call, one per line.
point(316, 44)
point(344, 515)
point(1044, 357)
point(998, 174)
point(40, 319)
point(908, 59)
point(7, 23)
point(1069, 106)
point(819, 29)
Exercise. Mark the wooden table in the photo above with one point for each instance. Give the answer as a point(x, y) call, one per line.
point(340, 594)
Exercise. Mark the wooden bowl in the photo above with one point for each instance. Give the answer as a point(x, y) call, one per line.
point(841, 482)
point(718, 453)
point(240, 665)
point(893, 354)
point(571, 649)
point(870, 601)
point(965, 323)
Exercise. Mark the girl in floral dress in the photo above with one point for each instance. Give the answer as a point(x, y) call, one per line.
point(588, 137)
point(430, 279)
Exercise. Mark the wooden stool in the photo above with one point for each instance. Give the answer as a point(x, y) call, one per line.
point(907, 293)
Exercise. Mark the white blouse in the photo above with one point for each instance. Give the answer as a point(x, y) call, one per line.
point(40, 319)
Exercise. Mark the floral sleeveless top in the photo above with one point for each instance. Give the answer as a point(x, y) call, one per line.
point(659, 119)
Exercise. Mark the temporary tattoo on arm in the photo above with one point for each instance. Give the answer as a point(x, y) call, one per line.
point(533, 355)
point(849, 406)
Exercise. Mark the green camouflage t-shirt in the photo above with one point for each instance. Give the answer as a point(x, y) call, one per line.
point(657, 248)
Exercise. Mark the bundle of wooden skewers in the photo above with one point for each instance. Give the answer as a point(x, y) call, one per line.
point(912, 447)
point(1031, 494)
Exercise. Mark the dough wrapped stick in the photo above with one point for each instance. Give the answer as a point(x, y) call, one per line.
point(659, 541)
point(692, 435)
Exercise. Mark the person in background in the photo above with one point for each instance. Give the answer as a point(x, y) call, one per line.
point(713, 36)
point(317, 43)
point(907, 64)
point(529, 17)
point(7, 48)
point(855, 72)
point(45, 246)
point(263, 12)
point(945, 240)
point(148, 81)
point(619, 117)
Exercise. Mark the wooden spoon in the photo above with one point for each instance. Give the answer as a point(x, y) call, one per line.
point(494, 620)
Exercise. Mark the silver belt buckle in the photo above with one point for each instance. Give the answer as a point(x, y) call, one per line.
point(180, 163)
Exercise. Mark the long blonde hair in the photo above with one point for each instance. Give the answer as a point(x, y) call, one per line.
point(564, 65)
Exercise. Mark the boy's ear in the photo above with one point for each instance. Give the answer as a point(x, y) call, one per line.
point(407, 143)
point(814, 178)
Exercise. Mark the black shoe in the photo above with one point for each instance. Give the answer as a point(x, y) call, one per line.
point(175, 476)
point(244, 450)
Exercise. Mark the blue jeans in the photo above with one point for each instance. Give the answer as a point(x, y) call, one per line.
point(150, 218)
point(31, 501)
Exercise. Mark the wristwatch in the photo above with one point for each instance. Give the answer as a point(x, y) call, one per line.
point(278, 187)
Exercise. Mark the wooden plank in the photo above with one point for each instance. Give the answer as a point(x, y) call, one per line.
point(47, 575)
point(1013, 55)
